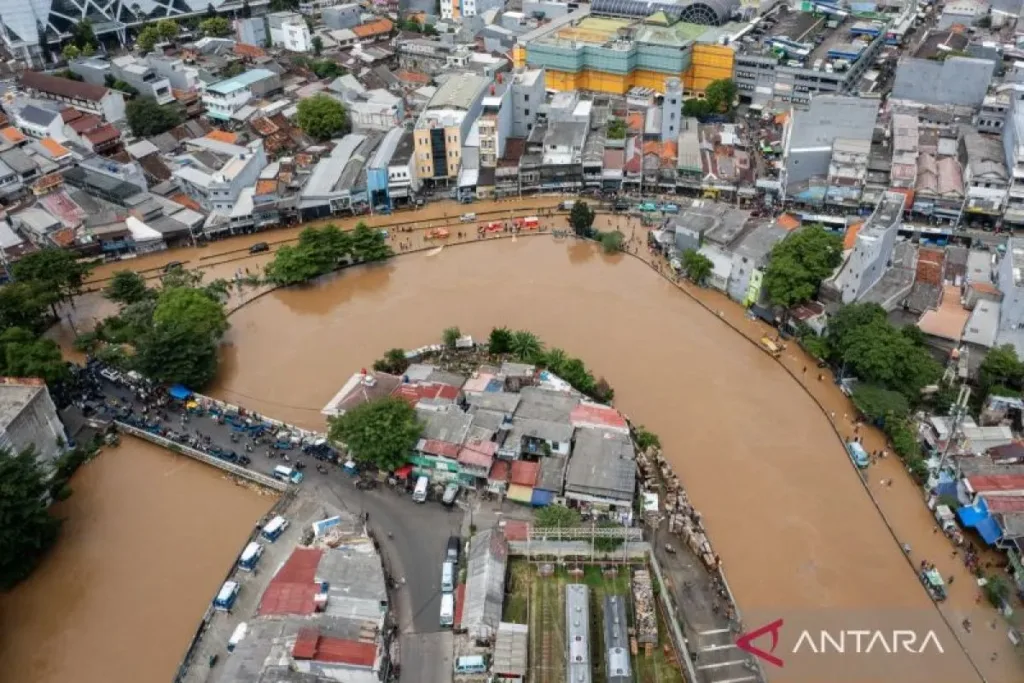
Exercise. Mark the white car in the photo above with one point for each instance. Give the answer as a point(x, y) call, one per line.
point(112, 375)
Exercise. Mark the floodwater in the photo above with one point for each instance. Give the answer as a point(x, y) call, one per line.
point(793, 524)
point(148, 538)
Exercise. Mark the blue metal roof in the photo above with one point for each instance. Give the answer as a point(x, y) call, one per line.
point(240, 81)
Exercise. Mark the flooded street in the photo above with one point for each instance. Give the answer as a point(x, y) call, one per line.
point(148, 538)
point(793, 524)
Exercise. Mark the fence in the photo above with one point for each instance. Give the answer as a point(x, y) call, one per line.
point(230, 468)
point(206, 402)
point(678, 641)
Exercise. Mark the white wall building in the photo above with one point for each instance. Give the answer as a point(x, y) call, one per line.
point(219, 189)
point(288, 30)
point(28, 419)
point(872, 252)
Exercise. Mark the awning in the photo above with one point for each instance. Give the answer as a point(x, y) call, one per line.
point(179, 392)
point(403, 472)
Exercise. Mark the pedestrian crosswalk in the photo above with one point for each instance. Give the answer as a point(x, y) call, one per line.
point(720, 661)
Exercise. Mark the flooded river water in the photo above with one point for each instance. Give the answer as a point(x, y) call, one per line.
point(147, 539)
point(784, 508)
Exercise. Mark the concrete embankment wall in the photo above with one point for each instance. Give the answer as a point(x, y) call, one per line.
point(230, 468)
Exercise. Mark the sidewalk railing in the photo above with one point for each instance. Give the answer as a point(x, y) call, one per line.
point(231, 468)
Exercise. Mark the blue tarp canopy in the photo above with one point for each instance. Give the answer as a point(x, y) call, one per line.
point(977, 517)
point(179, 392)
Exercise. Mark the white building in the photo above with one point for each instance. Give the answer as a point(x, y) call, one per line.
point(218, 190)
point(288, 30)
point(871, 254)
point(228, 96)
point(28, 419)
point(528, 93)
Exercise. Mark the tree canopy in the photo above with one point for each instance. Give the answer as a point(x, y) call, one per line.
point(696, 265)
point(721, 95)
point(1001, 368)
point(323, 250)
point(581, 218)
point(616, 129)
point(612, 241)
point(146, 118)
point(147, 39)
point(554, 516)
point(57, 273)
point(526, 346)
point(394, 362)
point(126, 287)
point(381, 433)
point(450, 336)
point(323, 117)
point(500, 340)
point(799, 263)
point(216, 27)
point(878, 403)
point(82, 35)
point(29, 528)
point(23, 354)
point(24, 304)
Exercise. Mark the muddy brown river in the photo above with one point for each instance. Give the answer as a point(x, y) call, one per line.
point(147, 539)
point(795, 529)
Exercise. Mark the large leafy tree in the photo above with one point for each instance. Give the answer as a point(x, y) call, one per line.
point(23, 304)
point(193, 309)
point(878, 402)
point(381, 433)
point(28, 529)
point(215, 27)
point(500, 340)
point(696, 265)
point(526, 346)
point(323, 117)
point(554, 516)
point(292, 265)
point(127, 287)
point(146, 118)
point(369, 245)
point(58, 274)
point(148, 38)
point(799, 263)
point(82, 35)
point(581, 218)
point(23, 354)
point(1001, 367)
point(721, 95)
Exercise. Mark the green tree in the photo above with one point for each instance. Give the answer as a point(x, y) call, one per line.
point(500, 341)
point(318, 45)
point(193, 309)
point(88, 51)
point(555, 516)
point(292, 265)
point(28, 529)
point(846, 320)
point(450, 336)
point(526, 346)
point(645, 439)
point(574, 371)
point(902, 432)
point(381, 433)
point(147, 39)
point(1000, 367)
point(721, 95)
point(581, 218)
point(168, 29)
point(616, 129)
point(555, 359)
point(23, 304)
point(323, 117)
point(879, 403)
point(394, 362)
point(696, 265)
point(694, 108)
point(609, 544)
point(799, 263)
point(215, 27)
point(602, 391)
point(126, 287)
point(369, 245)
point(612, 241)
point(146, 118)
point(131, 324)
point(997, 590)
point(58, 274)
point(26, 355)
point(70, 52)
point(82, 34)
point(429, 30)
point(326, 68)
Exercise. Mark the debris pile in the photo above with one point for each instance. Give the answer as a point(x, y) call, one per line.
point(646, 610)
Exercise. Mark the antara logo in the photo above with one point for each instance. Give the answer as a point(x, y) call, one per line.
point(853, 641)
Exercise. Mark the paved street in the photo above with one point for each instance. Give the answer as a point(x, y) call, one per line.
point(427, 657)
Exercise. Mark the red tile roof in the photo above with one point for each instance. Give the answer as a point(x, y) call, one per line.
point(222, 136)
point(460, 600)
point(595, 414)
point(414, 393)
point(442, 448)
point(62, 87)
point(499, 471)
point(305, 644)
point(53, 147)
point(103, 134)
point(311, 645)
point(250, 51)
point(266, 187)
point(186, 201)
point(407, 76)
point(1001, 505)
point(516, 530)
point(68, 114)
point(12, 135)
point(788, 222)
point(473, 458)
point(292, 589)
point(524, 473)
point(929, 266)
point(1004, 482)
point(84, 123)
point(374, 28)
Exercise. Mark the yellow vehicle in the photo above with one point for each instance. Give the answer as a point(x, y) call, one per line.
point(771, 347)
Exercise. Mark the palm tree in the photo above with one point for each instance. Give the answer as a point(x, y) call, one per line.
point(555, 359)
point(526, 346)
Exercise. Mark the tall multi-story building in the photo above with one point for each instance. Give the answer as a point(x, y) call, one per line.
point(22, 20)
point(251, 30)
point(28, 419)
point(218, 189)
point(1013, 145)
point(458, 9)
point(585, 51)
point(495, 122)
point(528, 94)
point(872, 252)
point(672, 110)
point(289, 30)
point(444, 126)
point(1011, 284)
point(135, 72)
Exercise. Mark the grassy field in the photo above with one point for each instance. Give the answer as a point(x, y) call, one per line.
point(540, 602)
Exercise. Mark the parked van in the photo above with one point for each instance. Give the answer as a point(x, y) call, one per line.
point(453, 549)
point(419, 494)
point(250, 557)
point(451, 491)
point(237, 636)
point(225, 599)
point(288, 474)
point(472, 664)
point(447, 609)
point(567, 206)
point(468, 217)
point(274, 528)
point(447, 577)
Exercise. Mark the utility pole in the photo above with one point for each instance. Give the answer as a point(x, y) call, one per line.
point(959, 412)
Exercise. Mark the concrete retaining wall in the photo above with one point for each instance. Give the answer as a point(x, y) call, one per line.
point(664, 596)
point(230, 468)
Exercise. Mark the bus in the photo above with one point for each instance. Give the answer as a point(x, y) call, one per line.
point(419, 494)
point(448, 609)
point(250, 557)
point(274, 528)
point(225, 599)
point(447, 577)
point(287, 474)
point(472, 664)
